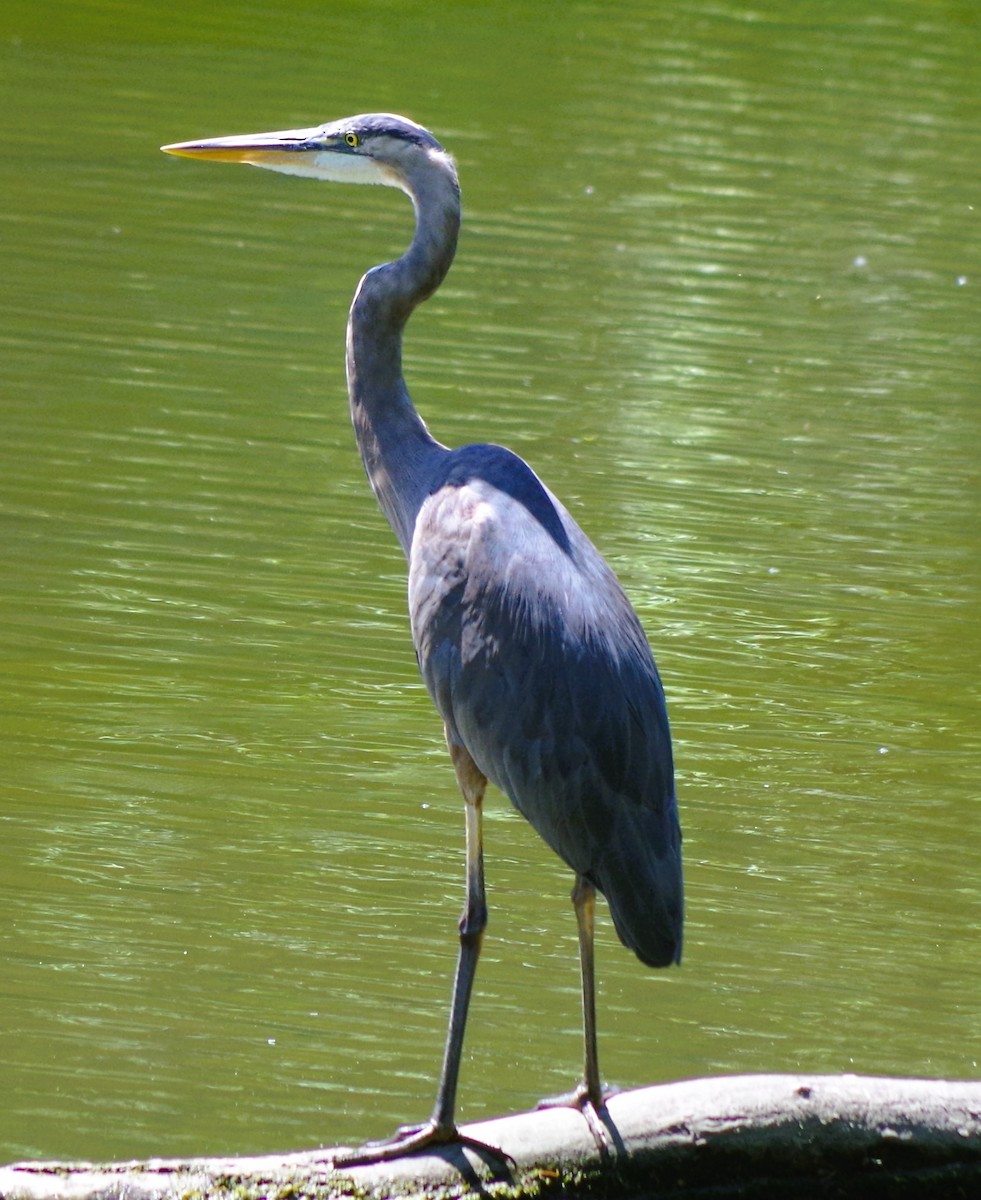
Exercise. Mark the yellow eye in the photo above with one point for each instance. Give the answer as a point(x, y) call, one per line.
point(352, 140)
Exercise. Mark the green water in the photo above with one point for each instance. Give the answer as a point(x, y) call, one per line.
point(718, 282)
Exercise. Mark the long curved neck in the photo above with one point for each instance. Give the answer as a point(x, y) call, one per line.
point(398, 453)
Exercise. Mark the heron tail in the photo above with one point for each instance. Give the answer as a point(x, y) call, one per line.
point(645, 895)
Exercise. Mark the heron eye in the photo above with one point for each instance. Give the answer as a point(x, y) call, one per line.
point(352, 140)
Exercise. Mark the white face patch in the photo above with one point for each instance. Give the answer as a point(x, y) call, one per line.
point(330, 165)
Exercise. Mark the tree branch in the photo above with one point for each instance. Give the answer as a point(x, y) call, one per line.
point(743, 1136)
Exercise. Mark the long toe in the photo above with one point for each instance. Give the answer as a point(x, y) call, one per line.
point(409, 1139)
point(595, 1114)
point(416, 1139)
point(579, 1096)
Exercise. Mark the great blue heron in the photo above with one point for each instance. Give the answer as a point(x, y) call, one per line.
point(529, 647)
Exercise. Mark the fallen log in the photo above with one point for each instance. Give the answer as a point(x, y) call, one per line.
point(756, 1136)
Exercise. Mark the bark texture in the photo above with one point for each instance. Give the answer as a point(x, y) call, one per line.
point(750, 1136)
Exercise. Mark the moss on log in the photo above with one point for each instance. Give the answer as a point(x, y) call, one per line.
point(755, 1136)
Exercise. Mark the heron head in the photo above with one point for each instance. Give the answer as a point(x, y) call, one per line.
point(371, 148)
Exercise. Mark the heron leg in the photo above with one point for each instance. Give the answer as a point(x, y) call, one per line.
point(473, 921)
point(584, 902)
point(441, 1128)
point(590, 1096)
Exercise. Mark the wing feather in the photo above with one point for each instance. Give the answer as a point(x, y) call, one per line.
point(540, 668)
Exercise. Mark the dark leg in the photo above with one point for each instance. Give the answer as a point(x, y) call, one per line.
point(441, 1129)
point(584, 901)
point(472, 924)
point(590, 1096)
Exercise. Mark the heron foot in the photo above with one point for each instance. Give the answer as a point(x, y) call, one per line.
point(415, 1139)
point(593, 1109)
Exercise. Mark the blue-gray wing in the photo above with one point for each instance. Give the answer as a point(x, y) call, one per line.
point(539, 667)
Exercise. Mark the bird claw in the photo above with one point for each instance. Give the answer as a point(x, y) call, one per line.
point(407, 1139)
point(581, 1099)
point(414, 1139)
